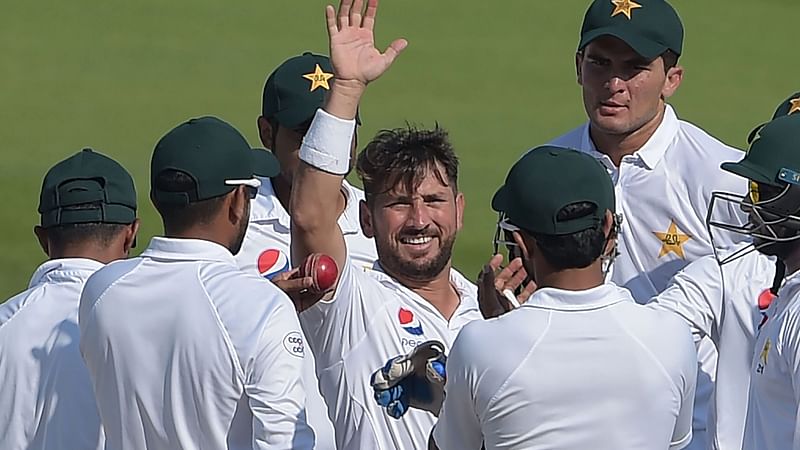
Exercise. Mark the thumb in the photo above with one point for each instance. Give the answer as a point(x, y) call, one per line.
point(394, 49)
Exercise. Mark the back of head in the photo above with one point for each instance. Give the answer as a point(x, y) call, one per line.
point(86, 201)
point(561, 198)
point(195, 165)
point(402, 157)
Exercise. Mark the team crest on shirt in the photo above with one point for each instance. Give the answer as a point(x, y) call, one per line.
point(764, 300)
point(409, 322)
point(271, 262)
point(672, 241)
point(762, 359)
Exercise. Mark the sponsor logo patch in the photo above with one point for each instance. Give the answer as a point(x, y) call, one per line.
point(293, 343)
point(271, 262)
point(409, 322)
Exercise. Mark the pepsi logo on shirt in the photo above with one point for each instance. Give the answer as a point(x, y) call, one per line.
point(409, 322)
point(271, 262)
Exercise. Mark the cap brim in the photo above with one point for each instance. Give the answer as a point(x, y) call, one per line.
point(747, 170)
point(500, 200)
point(644, 47)
point(265, 164)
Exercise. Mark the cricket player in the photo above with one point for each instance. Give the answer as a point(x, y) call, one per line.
point(663, 168)
point(292, 94)
point(412, 210)
point(88, 218)
point(772, 166)
point(185, 350)
point(580, 365)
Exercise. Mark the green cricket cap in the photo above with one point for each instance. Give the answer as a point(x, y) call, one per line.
point(788, 107)
point(546, 180)
point(296, 89)
point(213, 153)
point(774, 154)
point(649, 27)
point(87, 187)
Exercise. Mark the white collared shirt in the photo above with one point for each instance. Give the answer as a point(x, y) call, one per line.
point(371, 319)
point(266, 252)
point(187, 351)
point(773, 416)
point(726, 303)
point(663, 192)
point(571, 370)
point(46, 393)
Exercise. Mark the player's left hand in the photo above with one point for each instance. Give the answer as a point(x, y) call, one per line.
point(415, 380)
point(501, 289)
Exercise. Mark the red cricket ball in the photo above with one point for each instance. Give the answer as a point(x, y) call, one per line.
point(323, 271)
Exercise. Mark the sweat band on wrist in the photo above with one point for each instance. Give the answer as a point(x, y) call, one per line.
point(327, 143)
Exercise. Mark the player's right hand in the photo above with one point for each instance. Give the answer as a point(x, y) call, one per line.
point(297, 288)
point(501, 289)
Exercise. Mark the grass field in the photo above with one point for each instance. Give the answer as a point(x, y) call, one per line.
point(116, 75)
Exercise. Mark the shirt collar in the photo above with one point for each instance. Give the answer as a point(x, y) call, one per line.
point(652, 151)
point(63, 269)
point(187, 250)
point(266, 207)
point(563, 300)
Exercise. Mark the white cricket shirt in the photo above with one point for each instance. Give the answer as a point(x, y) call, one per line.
point(571, 370)
point(186, 351)
point(663, 191)
point(266, 252)
point(46, 396)
point(727, 303)
point(773, 417)
point(371, 319)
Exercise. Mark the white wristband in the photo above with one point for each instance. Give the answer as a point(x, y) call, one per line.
point(327, 143)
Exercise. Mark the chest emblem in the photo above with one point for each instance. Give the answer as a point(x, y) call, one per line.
point(762, 359)
point(409, 322)
point(271, 262)
point(672, 241)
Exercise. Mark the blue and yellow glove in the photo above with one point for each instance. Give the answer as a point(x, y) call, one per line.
point(415, 380)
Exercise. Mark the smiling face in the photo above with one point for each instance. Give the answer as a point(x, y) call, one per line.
point(415, 227)
point(622, 91)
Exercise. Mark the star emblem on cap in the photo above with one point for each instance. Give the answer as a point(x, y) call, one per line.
point(319, 79)
point(672, 241)
point(794, 105)
point(624, 7)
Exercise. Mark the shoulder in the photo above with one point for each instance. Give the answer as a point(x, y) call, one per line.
point(16, 304)
point(571, 139)
point(696, 140)
point(106, 276)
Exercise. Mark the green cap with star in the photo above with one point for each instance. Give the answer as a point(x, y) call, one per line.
point(548, 179)
point(296, 89)
point(787, 107)
point(773, 157)
point(87, 187)
point(649, 27)
point(213, 154)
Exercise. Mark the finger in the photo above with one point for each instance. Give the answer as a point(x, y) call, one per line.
point(330, 17)
point(355, 13)
point(286, 275)
point(517, 279)
point(495, 262)
point(394, 50)
point(344, 13)
point(369, 15)
point(526, 293)
point(397, 408)
point(294, 285)
point(504, 277)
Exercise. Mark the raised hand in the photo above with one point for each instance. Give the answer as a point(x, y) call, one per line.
point(497, 287)
point(354, 57)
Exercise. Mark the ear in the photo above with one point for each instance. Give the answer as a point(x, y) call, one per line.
point(365, 217)
point(238, 203)
point(673, 81)
point(578, 62)
point(460, 204)
point(610, 232)
point(265, 132)
point(523, 246)
point(41, 235)
point(130, 236)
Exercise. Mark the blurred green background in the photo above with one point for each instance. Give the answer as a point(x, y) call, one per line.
point(116, 75)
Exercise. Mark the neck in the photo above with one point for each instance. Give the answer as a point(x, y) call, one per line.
point(616, 146)
point(101, 254)
point(205, 233)
point(571, 279)
point(438, 291)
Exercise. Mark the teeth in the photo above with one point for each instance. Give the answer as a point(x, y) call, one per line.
point(417, 240)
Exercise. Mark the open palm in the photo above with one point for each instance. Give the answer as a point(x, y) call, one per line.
point(352, 41)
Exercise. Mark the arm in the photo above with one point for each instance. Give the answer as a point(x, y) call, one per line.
point(686, 384)
point(695, 294)
point(274, 387)
point(326, 148)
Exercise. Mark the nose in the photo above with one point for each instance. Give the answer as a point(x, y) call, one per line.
point(615, 84)
point(419, 216)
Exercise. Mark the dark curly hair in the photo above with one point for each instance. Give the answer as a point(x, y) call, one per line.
point(403, 156)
